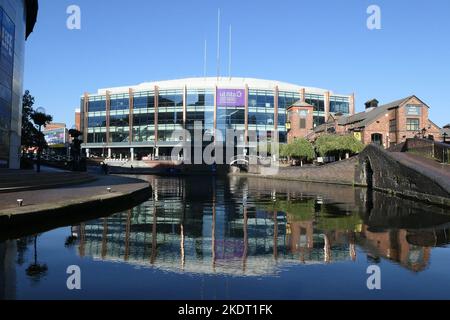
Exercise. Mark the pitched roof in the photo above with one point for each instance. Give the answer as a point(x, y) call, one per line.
point(303, 104)
point(365, 118)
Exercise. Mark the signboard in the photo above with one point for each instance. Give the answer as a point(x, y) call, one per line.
point(56, 137)
point(357, 136)
point(412, 110)
point(230, 98)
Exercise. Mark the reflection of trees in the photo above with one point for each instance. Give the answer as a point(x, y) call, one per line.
point(36, 271)
point(22, 247)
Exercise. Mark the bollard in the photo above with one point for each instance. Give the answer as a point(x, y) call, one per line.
point(20, 202)
point(109, 190)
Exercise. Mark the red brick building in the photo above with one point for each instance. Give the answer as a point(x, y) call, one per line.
point(385, 125)
point(301, 122)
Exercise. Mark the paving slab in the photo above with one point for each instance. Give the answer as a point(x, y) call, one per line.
point(36, 201)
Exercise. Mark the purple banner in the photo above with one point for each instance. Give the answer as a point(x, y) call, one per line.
point(230, 98)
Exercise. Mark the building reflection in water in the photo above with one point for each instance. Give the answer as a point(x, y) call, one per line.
point(254, 227)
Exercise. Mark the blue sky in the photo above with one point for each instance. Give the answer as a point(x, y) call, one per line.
point(320, 43)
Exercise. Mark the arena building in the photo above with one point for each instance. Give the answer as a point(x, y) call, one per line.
point(140, 120)
point(17, 20)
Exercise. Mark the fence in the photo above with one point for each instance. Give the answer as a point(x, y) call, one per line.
point(428, 148)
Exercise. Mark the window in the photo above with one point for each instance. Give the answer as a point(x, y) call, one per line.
point(303, 113)
point(412, 124)
point(339, 105)
point(393, 125)
point(302, 123)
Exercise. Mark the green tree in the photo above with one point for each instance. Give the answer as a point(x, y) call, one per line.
point(29, 131)
point(301, 149)
point(338, 145)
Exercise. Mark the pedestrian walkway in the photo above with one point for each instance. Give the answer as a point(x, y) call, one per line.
point(22, 180)
point(428, 167)
point(103, 188)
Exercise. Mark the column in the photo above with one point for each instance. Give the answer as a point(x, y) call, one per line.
point(156, 113)
point(184, 107)
point(87, 153)
point(132, 154)
point(215, 111)
point(327, 105)
point(275, 125)
point(246, 116)
point(109, 153)
point(108, 112)
point(85, 116)
point(131, 118)
point(352, 104)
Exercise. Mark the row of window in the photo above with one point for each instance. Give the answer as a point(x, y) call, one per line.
point(256, 99)
point(147, 134)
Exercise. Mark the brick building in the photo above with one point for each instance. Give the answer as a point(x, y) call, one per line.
point(300, 116)
point(385, 125)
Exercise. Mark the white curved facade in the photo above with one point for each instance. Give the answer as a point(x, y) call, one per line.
point(145, 117)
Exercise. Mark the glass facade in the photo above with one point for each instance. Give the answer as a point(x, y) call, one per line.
point(285, 100)
point(144, 116)
point(261, 112)
point(97, 119)
point(13, 25)
point(200, 108)
point(339, 105)
point(155, 118)
point(170, 114)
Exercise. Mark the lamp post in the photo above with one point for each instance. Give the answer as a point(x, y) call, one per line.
point(424, 131)
point(76, 148)
point(40, 118)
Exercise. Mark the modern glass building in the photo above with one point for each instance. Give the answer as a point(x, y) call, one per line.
point(17, 19)
point(143, 118)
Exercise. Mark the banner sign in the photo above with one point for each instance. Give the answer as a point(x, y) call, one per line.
point(230, 98)
point(56, 137)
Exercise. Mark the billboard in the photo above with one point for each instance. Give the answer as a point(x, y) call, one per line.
point(56, 137)
point(230, 98)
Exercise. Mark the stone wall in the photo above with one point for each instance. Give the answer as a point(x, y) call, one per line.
point(342, 172)
point(429, 148)
point(378, 168)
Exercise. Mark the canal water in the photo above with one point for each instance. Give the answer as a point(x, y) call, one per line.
point(240, 238)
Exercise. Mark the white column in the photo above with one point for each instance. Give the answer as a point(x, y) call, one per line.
point(132, 154)
point(109, 153)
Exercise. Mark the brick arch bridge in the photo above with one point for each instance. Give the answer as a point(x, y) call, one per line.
point(403, 174)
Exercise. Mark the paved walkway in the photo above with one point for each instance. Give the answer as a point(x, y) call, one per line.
point(56, 198)
point(428, 167)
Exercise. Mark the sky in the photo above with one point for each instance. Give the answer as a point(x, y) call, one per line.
point(314, 43)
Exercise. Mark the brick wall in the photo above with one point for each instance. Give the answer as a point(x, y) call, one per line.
point(294, 118)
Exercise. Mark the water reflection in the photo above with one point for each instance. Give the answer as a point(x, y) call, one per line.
point(256, 227)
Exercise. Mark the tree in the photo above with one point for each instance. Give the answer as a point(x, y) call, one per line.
point(302, 149)
point(29, 130)
point(338, 145)
point(31, 138)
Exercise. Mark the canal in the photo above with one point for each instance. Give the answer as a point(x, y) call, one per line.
point(239, 238)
